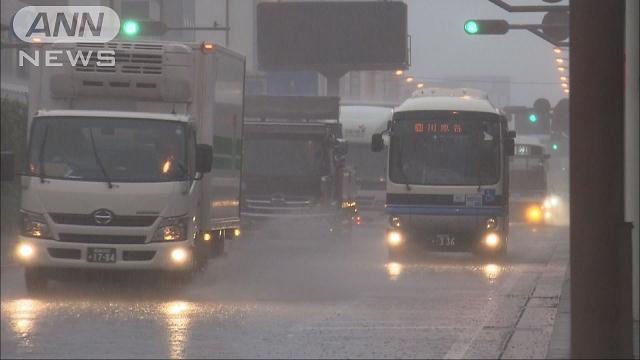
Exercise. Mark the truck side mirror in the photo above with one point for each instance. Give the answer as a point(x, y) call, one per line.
point(204, 158)
point(7, 166)
point(377, 143)
point(509, 146)
point(342, 147)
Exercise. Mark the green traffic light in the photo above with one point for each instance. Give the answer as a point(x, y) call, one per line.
point(130, 28)
point(533, 118)
point(471, 27)
point(555, 147)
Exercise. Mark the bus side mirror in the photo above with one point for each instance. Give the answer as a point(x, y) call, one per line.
point(509, 146)
point(377, 143)
point(511, 134)
point(7, 166)
point(204, 158)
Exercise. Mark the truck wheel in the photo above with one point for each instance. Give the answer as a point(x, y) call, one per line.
point(201, 256)
point(217, 248)
point(35, 280)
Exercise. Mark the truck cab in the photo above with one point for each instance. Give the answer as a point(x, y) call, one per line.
point(360, 121)
point(121, 171)
point(294, 171)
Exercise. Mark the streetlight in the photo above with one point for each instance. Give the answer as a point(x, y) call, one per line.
point(562, 68)
point(564, 78)
point(561, 60)
point(420, 85)
point(409, 79)
point(564, 85)
point(557, 50)
point(399, 72)
point(566, 91)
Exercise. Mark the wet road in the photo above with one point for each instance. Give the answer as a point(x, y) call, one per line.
point(298, 298)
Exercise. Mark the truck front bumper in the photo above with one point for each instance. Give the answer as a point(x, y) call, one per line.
point(34, 252)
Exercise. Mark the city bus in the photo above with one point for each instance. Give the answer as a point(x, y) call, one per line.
point(448, 173)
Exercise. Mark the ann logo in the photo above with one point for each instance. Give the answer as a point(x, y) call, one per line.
point(66, 24)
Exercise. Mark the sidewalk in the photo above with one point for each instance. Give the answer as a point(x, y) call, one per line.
point(560, 345)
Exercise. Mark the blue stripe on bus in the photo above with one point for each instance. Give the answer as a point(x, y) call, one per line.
point(439, 210)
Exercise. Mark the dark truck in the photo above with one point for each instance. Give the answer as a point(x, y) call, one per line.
point(294, 174)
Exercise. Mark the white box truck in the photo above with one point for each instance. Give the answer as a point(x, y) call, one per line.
point(132, 166)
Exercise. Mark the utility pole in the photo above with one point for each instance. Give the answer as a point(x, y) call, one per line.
point(601, 319)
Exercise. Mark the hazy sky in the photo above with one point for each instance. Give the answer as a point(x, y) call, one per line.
point(441, 48)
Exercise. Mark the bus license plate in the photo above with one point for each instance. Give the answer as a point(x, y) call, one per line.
point(101, 255)
point(444, 240)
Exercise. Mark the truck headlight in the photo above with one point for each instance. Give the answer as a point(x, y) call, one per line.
point(34, 225)
point(171, 229)
point(25, 251)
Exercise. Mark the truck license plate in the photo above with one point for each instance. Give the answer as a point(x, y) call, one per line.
point(444, 240)
point(101, 255)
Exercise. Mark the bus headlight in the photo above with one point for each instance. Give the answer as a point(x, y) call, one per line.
point(491, 223)
point(394, 238)
point(492, 240)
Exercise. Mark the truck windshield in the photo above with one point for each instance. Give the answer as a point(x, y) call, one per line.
point(107, 149)
point(370, 167)
point(445, 148)
point(285, 156)
point(527, 174)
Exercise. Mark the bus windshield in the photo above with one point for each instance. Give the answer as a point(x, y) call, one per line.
point(108, 149)
point(527, 174)
point(445, 148)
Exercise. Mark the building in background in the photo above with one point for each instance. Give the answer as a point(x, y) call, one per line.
point(229, 23)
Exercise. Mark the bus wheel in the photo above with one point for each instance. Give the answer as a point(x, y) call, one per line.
point(396, 254)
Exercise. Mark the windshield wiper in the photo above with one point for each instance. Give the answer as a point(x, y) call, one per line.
point(41, 153)
point(98, 161)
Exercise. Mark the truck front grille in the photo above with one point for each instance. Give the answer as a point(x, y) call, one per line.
point(88, 220)
point(60, 253)
point(102, 239)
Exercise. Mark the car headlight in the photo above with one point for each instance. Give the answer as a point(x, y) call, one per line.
point(34, 225)
point(171, 229)
point(551, 202)
point(534, 214)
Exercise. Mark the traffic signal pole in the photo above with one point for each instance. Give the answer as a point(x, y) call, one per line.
point(601, 317)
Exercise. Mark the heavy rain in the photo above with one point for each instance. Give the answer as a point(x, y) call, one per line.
point(319, 179)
